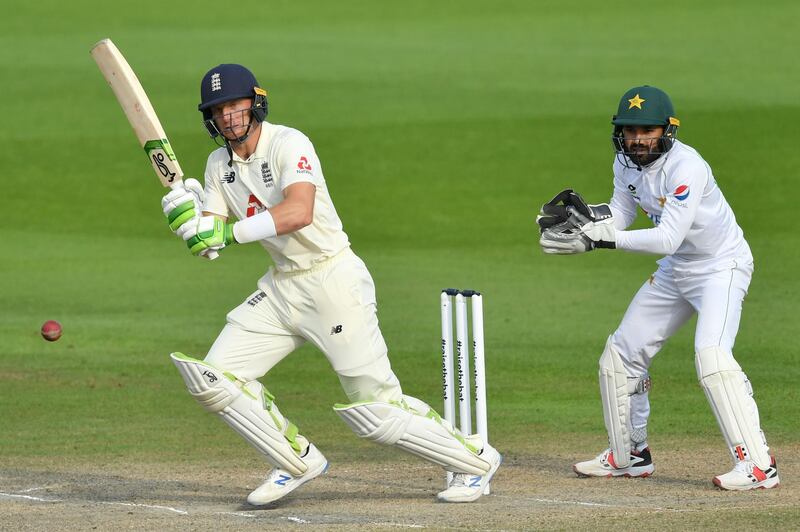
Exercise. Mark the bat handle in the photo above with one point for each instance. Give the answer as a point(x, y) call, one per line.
point(210, 255)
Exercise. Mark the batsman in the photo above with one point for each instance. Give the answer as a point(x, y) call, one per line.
point(706, 270)
point(268, 177)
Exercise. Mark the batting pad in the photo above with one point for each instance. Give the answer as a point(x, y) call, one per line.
point(616, 404)
point(417, 429)
point(731, 398)
point(247, 408)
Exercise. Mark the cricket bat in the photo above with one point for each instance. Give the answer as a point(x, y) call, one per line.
point(140, 113)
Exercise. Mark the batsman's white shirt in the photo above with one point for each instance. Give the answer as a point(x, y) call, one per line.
point(694, 225)
point(283, 156)
point(319, 291)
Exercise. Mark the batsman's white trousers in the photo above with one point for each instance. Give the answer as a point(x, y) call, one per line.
point(332, 306)
point(664, 303)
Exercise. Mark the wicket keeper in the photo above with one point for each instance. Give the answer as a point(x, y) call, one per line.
point(706, 269)
point(268, 177)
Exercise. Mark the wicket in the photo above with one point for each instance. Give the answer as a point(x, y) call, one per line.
point(452, 297)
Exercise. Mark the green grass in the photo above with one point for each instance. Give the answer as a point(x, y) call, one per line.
point(441, 128)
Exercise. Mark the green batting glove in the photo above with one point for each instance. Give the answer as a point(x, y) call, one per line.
point(182, 205)
point(210, 233)
point(180, 215)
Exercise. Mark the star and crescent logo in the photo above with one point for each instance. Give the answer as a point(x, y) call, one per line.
point(636, 101)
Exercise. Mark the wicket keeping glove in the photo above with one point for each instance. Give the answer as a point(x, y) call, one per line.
point(587, 227)
point(563, 205)
point(554, 212)
point(182, 205)
point(208, 234)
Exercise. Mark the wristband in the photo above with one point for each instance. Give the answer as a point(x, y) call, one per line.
point(255, 228)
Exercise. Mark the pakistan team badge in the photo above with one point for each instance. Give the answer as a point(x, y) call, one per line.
point(636, 101)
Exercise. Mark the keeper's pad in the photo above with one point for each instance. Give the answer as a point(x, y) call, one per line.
point(615, 390)
point(731, 396)
point(415, 427)
point(247, 407)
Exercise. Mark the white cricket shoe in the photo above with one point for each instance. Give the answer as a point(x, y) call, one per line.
point(467, 488)
point(280, 483)
point(746, 475)
point(640, 465)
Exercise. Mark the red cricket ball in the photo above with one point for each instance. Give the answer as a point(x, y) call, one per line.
point(51, 330)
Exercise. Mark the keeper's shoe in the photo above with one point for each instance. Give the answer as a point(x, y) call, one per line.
point(640, 465)
point(746, 475)
point(280, 483)
point(468, 488)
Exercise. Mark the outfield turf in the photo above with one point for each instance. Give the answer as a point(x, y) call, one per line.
point(441, 127)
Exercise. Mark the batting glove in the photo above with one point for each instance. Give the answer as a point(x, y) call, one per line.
point(182, 205)
point(208, 234)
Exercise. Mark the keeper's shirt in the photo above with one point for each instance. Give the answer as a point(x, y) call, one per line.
point(694, 225)
point(283, 156)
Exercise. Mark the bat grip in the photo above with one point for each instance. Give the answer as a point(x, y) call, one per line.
point(210, 255)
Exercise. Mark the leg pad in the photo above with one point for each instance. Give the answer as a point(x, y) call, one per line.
point(415, 427)
point(247, 407)
point(731, 397)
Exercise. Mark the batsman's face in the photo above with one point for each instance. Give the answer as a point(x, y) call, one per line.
point(233, 117)
point(642, 141)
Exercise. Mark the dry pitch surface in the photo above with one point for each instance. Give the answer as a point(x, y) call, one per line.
point(528, 493)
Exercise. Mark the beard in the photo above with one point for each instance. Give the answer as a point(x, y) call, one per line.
point(643, 153)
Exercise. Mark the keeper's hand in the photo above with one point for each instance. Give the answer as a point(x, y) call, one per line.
point(554, 212)
point(565, 203)
point(183, 205)
point(208, 234)
point(586, 228)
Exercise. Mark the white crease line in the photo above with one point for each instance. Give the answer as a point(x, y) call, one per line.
point(722, 508)
point(177, 511)
point(401, 525)
point(33, 489)
point(296, 519)
point(28, 497)
point(237, 514)
point(577, 503)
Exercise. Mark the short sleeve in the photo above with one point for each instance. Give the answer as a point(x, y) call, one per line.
point(215, 201)
point(298, 162)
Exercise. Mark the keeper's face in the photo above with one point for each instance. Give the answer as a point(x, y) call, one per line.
point(642, 142)
point(233, 118)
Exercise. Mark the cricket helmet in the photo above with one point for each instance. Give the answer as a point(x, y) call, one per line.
point(227, 82)
point(645, 106)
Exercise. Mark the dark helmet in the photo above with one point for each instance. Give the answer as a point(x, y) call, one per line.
point(645, 106)
point(227, 82)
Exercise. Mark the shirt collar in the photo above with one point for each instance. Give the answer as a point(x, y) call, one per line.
point(261, 146)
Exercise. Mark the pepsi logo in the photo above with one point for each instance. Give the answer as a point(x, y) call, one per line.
point(681, 193)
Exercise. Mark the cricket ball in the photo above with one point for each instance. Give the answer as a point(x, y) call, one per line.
point(51, 330)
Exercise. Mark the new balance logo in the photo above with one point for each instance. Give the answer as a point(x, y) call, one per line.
point(475, 482)
point(336, 329)
point(229, 177)
point(282, 480)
